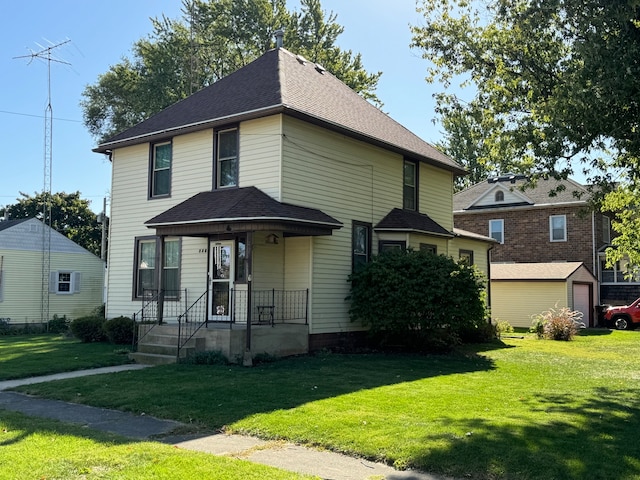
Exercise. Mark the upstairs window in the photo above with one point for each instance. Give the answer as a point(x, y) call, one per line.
point(496, 230)
point(410, 191)
point(160, 181)
point(227, 158)
point(361, 244)
point(558, 228)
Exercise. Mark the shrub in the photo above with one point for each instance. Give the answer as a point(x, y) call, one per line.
point(502, 327)
point(557, 324)
point(88, 329)
point(58, 324)
point(418, 300)
point(120, 330)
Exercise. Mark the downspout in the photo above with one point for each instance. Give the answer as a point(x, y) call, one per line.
point(489, 279)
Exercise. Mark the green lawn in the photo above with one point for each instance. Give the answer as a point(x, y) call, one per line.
point(33, 355)
point(523, 409)
point(33, 448)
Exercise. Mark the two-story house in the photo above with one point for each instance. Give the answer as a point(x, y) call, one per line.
point(253, 200)
point(548, 222)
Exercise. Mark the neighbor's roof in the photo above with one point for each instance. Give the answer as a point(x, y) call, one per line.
point(238, 204)
point(5, 224)
point(281, 82)
point(537, 195)
point(552, 271)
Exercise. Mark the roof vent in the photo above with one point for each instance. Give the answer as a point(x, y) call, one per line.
point(301, 59)
point(320, 68)
point(279, 34)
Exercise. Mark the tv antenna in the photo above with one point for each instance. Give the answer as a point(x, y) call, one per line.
point(46, 53)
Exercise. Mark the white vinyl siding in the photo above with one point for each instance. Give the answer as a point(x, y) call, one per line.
point(436, 195)
point(349, 180)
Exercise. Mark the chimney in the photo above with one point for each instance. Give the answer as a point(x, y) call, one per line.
point(279, 37)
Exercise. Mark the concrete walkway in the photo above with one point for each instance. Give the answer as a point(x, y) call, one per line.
point(280, 454)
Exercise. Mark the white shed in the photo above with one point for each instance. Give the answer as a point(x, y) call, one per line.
point(520, 291)
point(74, 279)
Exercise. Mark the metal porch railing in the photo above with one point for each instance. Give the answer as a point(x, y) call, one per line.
point(158, 307)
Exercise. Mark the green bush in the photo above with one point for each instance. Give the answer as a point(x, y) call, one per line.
point(58, 324)
point(419, 301)
point(120, 330)
point(88, 329)
point(556, 324)
point(209, 357)
point(502, 327)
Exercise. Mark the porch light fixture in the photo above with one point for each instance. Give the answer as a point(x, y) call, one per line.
point(271, 239)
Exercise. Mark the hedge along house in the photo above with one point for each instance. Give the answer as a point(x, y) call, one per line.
point(519, 291)
point(252, 200)
point(73, 282)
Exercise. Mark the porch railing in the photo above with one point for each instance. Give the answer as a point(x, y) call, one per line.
point(271, 306)
point(158, 306)
point(192, 320)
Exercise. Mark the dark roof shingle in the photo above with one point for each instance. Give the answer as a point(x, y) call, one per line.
point(409, 221)
point(280, 82)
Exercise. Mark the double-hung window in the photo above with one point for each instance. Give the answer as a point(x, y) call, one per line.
point(465, 256)
point(496, 230)
point(160, 181)
point(606, 229)
point(64, 282)
point(147, 264)
point(558, 228)
point(409, 182)
point(361, 244)
point(226, 158)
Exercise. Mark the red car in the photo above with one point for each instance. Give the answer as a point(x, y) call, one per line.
point(625, 317)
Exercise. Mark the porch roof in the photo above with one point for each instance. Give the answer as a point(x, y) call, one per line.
point(399, 220)
point(240, 210)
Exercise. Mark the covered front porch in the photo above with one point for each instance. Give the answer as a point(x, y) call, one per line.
point(256, 289)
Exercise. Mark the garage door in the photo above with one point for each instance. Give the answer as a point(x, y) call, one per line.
point(581, 302)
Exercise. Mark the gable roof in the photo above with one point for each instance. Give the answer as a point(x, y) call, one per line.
point(240, 206)
point(281, 82)
point(27, 235)
point(551, 271)
point(471, 198)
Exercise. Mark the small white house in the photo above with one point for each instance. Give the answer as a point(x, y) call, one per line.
point(75, 275)
point(520, 291)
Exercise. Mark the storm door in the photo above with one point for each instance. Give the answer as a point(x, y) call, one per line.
point(221, 275)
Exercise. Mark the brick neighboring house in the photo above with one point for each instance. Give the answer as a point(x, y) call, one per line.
point(533, 226)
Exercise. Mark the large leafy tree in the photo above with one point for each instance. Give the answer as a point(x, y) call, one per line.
point(70, 216)
point(556, 85)
point(211, 40)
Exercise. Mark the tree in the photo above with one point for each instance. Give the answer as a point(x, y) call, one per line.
point(556, 82)
point(213, 39)
point(70, 216)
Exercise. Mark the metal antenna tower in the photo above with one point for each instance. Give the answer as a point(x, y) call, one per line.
point(46, 53)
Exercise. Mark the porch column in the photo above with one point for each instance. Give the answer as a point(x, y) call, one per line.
point(160, 278)
point(248, 359)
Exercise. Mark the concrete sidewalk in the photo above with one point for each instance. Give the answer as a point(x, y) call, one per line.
point(284, 455)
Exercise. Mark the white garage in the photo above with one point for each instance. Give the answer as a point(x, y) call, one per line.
point(519, 291)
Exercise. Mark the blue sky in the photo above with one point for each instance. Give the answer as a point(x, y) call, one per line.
point(101, 33)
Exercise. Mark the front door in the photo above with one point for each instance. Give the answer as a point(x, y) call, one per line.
point(221, 275)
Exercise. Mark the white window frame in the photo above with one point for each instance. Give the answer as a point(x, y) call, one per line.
point(73, 281)
point(564, 228)
point(156, 171)
point(500, 231)
point(233, 159)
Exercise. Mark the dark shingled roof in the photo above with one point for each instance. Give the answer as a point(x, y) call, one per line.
point(280, 82)
point(399, 220)
point(247, 203)
point(11, 223)
point(537, 195)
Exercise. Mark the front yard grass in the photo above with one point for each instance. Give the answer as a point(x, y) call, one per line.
point(32, 355)
point(520, 409)
point(34, 448)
